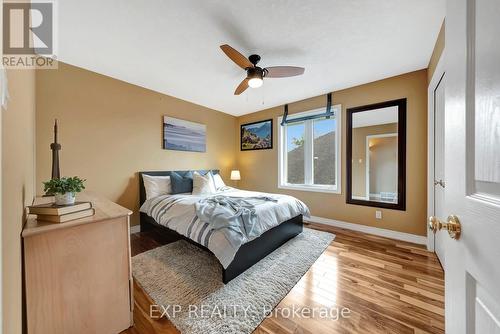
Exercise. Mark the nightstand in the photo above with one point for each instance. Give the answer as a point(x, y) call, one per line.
point(78, 274)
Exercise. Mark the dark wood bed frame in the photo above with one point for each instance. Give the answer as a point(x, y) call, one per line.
point(248, 254)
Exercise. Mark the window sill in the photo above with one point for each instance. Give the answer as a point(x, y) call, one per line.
point(317, 189)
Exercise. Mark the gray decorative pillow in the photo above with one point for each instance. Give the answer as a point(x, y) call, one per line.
point(203, 184)
point(181, 184)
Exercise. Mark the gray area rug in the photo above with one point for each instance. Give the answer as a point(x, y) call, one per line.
point(187, 282)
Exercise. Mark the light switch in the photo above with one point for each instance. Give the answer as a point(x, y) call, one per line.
point(378, 214)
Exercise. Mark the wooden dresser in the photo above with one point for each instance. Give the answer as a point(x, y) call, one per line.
point(78, 274)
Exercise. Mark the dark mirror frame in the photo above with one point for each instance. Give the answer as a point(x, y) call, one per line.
point(401, 204)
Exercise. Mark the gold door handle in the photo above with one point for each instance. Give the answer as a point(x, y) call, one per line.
point(452, 226)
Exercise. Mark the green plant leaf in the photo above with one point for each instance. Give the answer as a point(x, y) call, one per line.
point(64, 185)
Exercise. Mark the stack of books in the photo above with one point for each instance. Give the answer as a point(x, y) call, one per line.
point(53, 213)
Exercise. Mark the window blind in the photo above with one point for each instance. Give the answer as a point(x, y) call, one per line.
point(329, 113)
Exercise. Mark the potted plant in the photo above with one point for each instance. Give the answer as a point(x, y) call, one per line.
point(64, 189)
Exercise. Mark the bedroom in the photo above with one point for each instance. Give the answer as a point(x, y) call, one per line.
point(311, 198)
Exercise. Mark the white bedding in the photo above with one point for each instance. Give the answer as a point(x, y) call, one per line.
point(177, 212)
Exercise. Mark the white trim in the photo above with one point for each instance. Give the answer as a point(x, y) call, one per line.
point(314, 188)
point(436, 78)
point(1, 199)
point(337, 189)
point(135, 229)
point(367, 159)
point(308, 153)
point(1, 187)
point(381, 232)
point(363, 198)
point(338, 152)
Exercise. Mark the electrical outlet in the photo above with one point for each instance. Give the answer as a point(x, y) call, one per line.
point(378, 214)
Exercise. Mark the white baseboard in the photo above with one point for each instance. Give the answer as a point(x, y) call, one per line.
point(135, 229)
point(381, 232)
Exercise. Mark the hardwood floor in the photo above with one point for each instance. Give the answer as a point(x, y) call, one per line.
point(388, 286)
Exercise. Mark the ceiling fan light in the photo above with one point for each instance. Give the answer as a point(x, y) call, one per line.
point(255, 82)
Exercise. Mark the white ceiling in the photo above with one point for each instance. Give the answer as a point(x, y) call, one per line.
point(172, 46)
point(375, 117)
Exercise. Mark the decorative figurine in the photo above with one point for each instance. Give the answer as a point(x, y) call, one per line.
point(55, 147)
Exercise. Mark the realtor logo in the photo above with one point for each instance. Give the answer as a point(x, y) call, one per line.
point(28, 34)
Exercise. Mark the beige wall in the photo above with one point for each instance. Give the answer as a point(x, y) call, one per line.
point(259, 169)
point(110, 130)
point(359, 152)
point(17, 187)
point(437, 52)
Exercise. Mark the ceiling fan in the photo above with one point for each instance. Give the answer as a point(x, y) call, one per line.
point(256, 74)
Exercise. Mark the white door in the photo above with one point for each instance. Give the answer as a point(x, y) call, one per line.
point(472, 163)
point(439, 179)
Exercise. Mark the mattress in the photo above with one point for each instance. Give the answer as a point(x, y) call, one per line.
point(178, 213)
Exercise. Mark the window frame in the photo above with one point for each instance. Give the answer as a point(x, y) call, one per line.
point(309, 151)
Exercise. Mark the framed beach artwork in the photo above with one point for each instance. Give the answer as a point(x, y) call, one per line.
point(257, 135)
point(181, 135)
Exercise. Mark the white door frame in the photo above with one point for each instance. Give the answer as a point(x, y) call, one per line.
point(436, 79)
point(367, 159)
point(1, 184)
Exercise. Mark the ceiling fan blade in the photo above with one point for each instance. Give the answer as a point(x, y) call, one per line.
point(283, 71)
point(237, 57)
point(241, 87)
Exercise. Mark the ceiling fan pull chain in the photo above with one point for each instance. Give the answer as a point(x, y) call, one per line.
point(264, 95)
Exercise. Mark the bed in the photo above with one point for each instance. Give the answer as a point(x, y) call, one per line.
point(247, 254)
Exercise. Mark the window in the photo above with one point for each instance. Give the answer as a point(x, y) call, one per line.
point(309, 152)
point(295, 153)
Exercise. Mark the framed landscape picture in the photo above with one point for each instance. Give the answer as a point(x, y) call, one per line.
point(257, 135)
point(181, 135)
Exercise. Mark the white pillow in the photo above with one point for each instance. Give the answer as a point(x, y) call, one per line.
point(218, 182)
point(203, 185)
point(156, 185)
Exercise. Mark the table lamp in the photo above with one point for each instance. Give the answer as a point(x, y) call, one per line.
point(235, 176)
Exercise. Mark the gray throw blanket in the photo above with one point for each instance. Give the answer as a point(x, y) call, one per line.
point(233, 213)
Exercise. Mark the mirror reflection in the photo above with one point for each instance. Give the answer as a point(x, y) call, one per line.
point(375, 155)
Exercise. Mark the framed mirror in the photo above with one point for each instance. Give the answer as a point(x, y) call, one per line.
point(376, 155)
